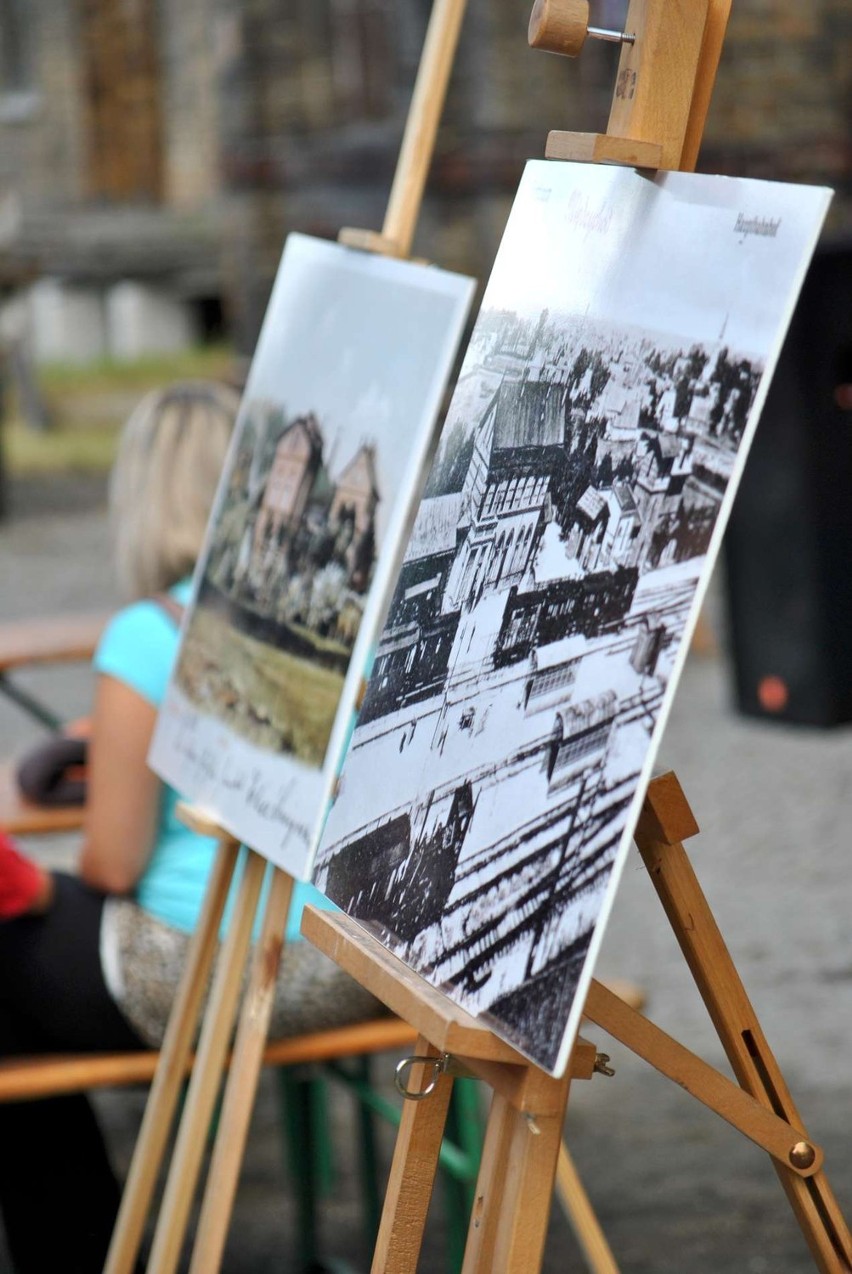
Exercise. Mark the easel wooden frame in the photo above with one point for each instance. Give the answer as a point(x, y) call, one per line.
point(395, 240)
point(665, 80)
point(523, 1135)
point(524, 1131)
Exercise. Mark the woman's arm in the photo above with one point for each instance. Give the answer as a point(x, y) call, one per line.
point(123, 794)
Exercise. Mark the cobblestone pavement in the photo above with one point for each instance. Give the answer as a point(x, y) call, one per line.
point(676, 1189)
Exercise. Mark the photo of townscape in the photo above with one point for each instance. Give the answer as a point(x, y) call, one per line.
point(537, 624)
point(329, 451)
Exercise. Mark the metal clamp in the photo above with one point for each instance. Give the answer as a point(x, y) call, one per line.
point(435, 1067)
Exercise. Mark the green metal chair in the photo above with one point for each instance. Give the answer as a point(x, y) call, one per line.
point(310, 1153)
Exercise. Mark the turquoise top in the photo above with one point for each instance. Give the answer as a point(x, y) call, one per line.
point(138, 647)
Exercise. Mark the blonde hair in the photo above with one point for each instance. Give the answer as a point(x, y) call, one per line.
point(165, 476)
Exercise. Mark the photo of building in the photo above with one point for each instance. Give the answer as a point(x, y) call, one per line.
point(538, 620)
point(288, 570)
point(328, 453)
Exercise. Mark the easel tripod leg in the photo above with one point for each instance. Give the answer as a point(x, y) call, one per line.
point(508, 1227)
point(412, 1176)
point(581, 1215)
point(207, 1073)
point(241, 1088)
point(659, 839)
point(162, 1100)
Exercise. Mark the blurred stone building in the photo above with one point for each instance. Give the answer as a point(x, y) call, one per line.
point(153, 155)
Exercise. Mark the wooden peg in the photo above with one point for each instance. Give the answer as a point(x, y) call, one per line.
point(418, 142)
point(666, 816)
point(665, 78)
point(369, 241)
point(559, 26)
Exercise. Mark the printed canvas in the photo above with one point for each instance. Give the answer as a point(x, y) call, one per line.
point(331, 440)
point(557, 559)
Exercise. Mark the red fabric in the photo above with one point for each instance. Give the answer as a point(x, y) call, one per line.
point(21, 880)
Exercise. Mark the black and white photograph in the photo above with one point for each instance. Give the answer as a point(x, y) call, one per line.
point(331, 442)
point(553, 573)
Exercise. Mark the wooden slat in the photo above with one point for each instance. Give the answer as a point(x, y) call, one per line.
point(412, 1174)
point(54, 639)
point(33, 1077)
point(443, 1023)
point(515, 1184)
point(240, 1091)
point(773, 1133)
point(584, 1222)
point(732, 1014)
point(163, 1100)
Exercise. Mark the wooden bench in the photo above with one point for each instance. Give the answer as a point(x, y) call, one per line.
point(55, 639)
point(340, 1054)
point(50, 640)
point(67, 639)
point(33, 1077)
point(28, 1078)
point(329, 1055)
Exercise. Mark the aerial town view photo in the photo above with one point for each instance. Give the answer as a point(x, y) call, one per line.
point(546, 587)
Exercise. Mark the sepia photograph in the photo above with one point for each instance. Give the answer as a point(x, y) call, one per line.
point(538, 623)
point(330, 445)
point(288, 571)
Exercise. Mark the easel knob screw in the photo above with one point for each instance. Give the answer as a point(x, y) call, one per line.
point(561, 26)
point(602, 1066)
point(802, 1155)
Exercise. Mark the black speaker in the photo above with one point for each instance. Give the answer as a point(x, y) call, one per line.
point(789, 540)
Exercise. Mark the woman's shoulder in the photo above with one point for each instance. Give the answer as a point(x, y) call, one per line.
point(138, 646)
point(138, 624)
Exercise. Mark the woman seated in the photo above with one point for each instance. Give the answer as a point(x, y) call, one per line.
point(91, 961)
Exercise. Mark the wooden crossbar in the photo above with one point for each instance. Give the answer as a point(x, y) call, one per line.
point(54, 639)
point(28, 1078)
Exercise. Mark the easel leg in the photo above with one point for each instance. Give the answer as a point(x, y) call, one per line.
point(412, 1176)
point(584, 1222)
point(513, 1194)
point(242, 1083)
point(207, 1073)
point(659, 838)
point(165, 1090)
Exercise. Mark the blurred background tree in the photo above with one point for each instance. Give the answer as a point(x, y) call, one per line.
point(153, 156)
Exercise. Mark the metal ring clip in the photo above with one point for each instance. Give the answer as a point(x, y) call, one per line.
point(437, 1065)
point(446, 1064)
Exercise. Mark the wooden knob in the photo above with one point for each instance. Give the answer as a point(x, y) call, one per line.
point(559, 26)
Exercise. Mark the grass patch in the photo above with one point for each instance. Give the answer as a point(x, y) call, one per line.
point(58, 450)
point(276, 700)
point(88, 405)
point(205, 361)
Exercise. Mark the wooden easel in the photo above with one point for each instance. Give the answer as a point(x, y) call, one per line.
point(395, 240)
point(665, 78)
point(524, 1131)
point(523, 1136)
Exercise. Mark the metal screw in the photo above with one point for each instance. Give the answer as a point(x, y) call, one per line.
point(613, 37)
point(802, 1155)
